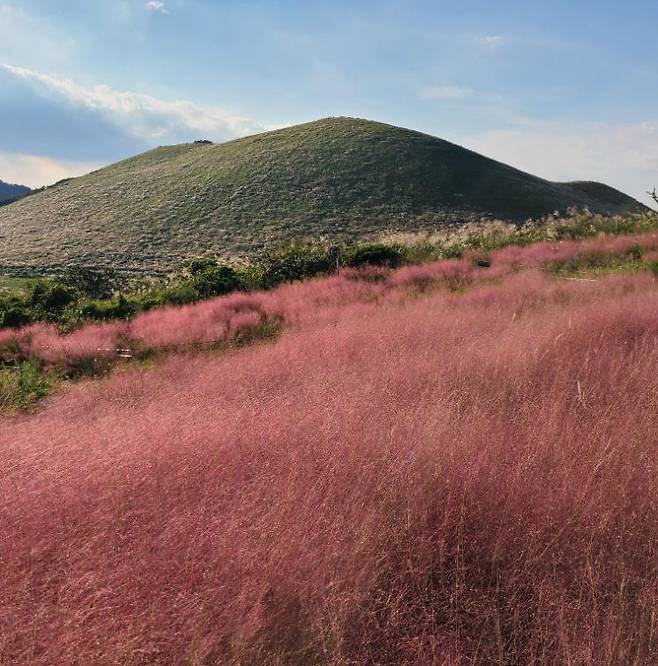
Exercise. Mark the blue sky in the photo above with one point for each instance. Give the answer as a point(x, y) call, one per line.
point(566, 90)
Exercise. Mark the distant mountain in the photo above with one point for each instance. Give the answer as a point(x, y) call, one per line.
point(10, 192)
point(340, 178)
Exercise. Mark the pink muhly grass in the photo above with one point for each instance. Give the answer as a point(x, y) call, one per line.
point(533, 256)
point(93, 340)
point(304, 301)
point(543, 254)
point(456, 270)
point(311, 302)
point(368, 273)
point(208, 321)
point(7, 338)
point(244, 320)
point(458, 478)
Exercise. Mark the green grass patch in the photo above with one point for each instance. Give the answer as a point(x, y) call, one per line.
point(16, 286)
point(23, 384)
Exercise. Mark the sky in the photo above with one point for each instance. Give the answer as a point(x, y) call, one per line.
point(566, 90)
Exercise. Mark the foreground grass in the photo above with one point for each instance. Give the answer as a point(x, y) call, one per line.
point(462, 478)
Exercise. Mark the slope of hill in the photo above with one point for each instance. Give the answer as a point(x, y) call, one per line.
point(338, 178)
point(9, 192)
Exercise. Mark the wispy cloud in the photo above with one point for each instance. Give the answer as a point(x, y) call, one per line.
point(446, 93)
point(157, 6)
point(624, 155)
point(144, 116)
point(36, 170)
point(492, 41)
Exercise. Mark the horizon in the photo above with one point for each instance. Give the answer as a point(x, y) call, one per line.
point(521, 85)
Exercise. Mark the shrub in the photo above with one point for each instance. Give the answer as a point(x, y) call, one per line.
point(215, 280)
point(14, 314)
point(375, 254)
point(181, 293)
point(51, 298)
point(155, 298)
point(294, 263)
point(121, 308)
point(91, 282)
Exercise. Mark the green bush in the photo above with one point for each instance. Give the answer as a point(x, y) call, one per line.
point(155, 298)
point(14, 314)
point(294, 263)
point(214, 280)
point(375, 254)
point(199, 265)
point(120, 308)
point(91, 282)
point(51, 298)
point(181, 293)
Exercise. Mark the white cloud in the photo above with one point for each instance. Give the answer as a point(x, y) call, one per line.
point(445, 93)
point(492, 41)
point(36, 170)
point(157, 6)
point(624, 156)
point(146, 117)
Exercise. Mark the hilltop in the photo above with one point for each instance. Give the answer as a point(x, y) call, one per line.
point(337, 178)
point(9, 192)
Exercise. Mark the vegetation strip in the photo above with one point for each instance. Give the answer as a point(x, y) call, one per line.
point(241, 318)
point(83, 294)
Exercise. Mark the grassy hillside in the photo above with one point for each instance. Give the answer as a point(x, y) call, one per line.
point(335, 178)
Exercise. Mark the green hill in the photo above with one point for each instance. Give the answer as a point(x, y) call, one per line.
point(337, 178)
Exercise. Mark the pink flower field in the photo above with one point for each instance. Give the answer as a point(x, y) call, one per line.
point(222, 320)
point(406, 475)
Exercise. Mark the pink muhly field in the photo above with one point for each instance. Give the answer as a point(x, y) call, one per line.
point(225, 319)
point(401, 478)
